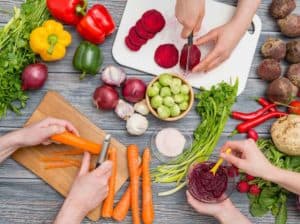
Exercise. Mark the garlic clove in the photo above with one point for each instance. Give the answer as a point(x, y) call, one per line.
point(124, 110)
point(141, 107)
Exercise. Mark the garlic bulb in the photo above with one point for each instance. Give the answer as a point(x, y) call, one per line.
point(113, 76)
point(124, 110)
point(137, 124)
point(141, 107)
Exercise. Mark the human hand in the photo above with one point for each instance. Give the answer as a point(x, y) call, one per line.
point(225, 39)
point(247, 157)
point(190, 14)
point(40, 132)
point(87, 192)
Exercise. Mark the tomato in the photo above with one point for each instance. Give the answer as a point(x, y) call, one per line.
point(294, 107)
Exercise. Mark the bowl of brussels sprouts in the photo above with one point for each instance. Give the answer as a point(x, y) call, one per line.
point(169, 97)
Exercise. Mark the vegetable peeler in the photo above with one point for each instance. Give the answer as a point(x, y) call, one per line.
point(104, 149)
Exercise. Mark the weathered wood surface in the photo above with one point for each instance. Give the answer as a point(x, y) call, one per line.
point(24, 198)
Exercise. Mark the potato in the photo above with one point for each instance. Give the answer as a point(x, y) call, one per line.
point(281, 91)
point(269, 69)
point(293, 51)
point(293, 74)
point(281, 8)
point(285, 133)
point(274, 48)
point(290, 25)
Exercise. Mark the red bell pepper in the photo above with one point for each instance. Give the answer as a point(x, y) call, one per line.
point(67, 11)
point(96, 24)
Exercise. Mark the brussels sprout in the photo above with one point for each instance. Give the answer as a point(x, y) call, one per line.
point(157, 84)
point(153, 91)
point(183, 106)
point(156, 101)
point(165, 91)
point(179, 98)
point(163, 112)
point(184, 89)
point(177, 81)
point(165, 79)
point(175, 110)
point(186, 98)
point(168, 101)
point(175, 88)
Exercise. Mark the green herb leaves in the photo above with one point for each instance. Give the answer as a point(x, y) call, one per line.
point(15, 53)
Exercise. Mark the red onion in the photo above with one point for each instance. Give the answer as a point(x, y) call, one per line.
point(134, 90)
point(34, 76)
point(105, 97)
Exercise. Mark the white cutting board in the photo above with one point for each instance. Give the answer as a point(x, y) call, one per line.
point(238, 65)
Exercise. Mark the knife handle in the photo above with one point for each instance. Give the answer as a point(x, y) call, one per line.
point(68, 138)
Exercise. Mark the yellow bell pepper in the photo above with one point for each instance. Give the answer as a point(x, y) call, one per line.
point(50, 41)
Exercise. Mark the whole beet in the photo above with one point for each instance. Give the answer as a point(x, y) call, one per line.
point(281, 8)
point(274, 48)
point(293, 74)
point(195, 56)
point(269, 69)
point(290, 25)
point(282, 91)
point(293, 51)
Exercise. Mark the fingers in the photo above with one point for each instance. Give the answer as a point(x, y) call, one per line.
point(52, 130)
point(233, 159)
point(186, 31)
point(211, 57)
point(66, 124)
point(237, 146)
point(85, 164)
point(192, 201)
point(104, 170)
point(210, 36)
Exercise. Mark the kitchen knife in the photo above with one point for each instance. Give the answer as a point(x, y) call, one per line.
point(104, 150)
point(190, 44)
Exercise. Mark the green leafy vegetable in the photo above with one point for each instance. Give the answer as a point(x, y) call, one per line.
point(272, 197)
point(15, 53)
point(214, 107)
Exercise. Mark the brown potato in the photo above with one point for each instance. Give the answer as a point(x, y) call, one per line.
point(293, 74)
point(285, 134)
point(281, 8)
point(290, 25)
point(269, 69)
point(282, 91)
point(293, 51)
point(274, 48)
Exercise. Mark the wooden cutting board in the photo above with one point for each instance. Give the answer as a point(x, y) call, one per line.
point(54, 105)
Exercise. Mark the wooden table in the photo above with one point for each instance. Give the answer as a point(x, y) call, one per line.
point(24, 198)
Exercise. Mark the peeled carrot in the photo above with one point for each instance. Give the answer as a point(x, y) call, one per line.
point(56, 165)
point(59, 159)
point(121, 209)
point(70, 139)
point(147, 202)
point(133, 166)
point(108, 204)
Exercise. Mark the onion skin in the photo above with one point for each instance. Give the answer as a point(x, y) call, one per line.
point(34, 76)
point(105, 97)
point(134, 90)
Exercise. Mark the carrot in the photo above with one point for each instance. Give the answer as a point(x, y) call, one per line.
point(55, 165)
point(121, 209)
point(70, 152)
point(147, 202)
point(59, 159)
point(133, 166)
point(108, 204)
point(70, 139)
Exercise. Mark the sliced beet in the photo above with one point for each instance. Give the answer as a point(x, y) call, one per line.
point(131, 45)
point(195, 56)
point(142, 32)
point(135, 38)
point(166, 55)
point(153, 21)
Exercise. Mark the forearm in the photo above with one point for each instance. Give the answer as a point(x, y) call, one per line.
point(244, 14)
point(231, 214)
point(68, 214)
point(287, 179)
point(9, 143)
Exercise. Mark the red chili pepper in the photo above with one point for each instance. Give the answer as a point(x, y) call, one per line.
point(252, 134)
point(294, 107)
point(247, 125)
point(262, 101)
point(250, 116)
point(96, 24)
point(67, 11)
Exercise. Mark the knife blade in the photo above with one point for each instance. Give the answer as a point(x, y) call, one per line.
point(190, 44)
point(104, 149)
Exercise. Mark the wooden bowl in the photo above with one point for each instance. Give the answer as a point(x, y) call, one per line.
point(183, 114)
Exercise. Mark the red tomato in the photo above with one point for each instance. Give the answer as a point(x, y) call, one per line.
point(294, 107)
